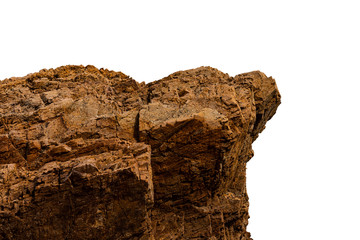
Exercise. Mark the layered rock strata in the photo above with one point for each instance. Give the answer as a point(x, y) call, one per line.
point(89, 153)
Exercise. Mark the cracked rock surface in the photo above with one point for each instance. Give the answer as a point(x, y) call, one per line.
point(89, 153)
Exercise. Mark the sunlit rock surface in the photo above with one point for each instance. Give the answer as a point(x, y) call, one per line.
point(89, 153)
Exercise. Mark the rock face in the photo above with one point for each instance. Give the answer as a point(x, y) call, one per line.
point(92, 154)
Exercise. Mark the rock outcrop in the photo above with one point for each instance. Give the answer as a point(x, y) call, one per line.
point(92, 154)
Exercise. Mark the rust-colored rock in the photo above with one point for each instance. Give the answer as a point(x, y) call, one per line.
point(92, 154)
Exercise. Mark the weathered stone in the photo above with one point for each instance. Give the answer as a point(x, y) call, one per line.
point(92, 154)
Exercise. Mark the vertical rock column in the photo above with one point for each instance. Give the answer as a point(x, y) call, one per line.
point(201, 124)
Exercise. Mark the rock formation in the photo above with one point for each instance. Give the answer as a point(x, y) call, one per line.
point(92, 154)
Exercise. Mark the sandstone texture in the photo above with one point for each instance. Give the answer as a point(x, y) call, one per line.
point(89, 153)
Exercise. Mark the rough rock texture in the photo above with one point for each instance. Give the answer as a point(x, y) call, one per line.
point(92, 154)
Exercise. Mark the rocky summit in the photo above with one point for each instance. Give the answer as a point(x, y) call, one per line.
point(89, 153)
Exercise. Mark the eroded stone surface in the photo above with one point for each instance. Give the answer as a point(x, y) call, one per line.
point(92, 154)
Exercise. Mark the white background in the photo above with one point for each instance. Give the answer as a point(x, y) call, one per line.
point(304, 180)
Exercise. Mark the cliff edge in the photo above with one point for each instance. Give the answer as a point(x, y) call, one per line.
point(89, 153)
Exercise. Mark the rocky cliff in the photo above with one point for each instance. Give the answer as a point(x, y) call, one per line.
point(89, 153)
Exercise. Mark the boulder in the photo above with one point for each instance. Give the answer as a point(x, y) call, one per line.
point(89, 153)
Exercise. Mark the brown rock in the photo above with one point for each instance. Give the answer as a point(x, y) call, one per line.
point(92, 154)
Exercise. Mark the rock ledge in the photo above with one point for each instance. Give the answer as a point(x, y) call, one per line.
point(89, 153)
